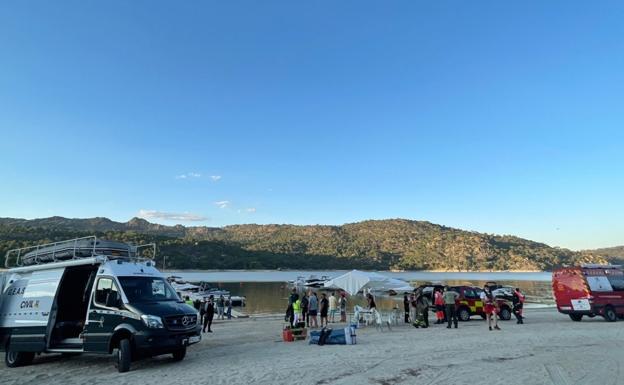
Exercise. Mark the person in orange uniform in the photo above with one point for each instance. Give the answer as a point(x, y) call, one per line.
point(438, 301)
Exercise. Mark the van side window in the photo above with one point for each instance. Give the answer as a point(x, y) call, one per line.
point(104, 287)
point(616, 281)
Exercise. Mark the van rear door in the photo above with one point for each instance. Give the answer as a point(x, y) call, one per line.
point(26, 307)
point(570, 290)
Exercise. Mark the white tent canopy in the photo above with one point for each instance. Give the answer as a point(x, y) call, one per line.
point(355, 281)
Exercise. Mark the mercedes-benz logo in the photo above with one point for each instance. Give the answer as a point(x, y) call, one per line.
point(186, 320)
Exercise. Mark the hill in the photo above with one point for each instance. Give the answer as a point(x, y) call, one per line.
point(374, 244)
point(612, 254)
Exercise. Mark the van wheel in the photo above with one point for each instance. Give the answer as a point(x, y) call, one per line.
point(463, 314)
point(609, 314)
point(505, 314)
point(179, 354)
point(124, 355)
point(14, 359)
point(576, 317)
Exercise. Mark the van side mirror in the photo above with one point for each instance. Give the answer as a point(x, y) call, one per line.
point(113, 299)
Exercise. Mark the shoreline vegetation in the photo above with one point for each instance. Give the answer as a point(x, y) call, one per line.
point(388, 245)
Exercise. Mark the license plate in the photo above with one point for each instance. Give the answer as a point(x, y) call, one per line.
point(194, 339)
point(581, 304)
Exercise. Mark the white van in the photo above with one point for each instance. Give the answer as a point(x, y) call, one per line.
point(88, 295)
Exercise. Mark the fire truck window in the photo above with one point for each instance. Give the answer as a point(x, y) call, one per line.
point(469, 293)
point(617, 282)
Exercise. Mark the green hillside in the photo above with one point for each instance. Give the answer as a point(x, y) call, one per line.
point(379, 244)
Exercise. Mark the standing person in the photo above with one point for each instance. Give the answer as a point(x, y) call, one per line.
point(313, 304)
point(290, 317)
point(439, 305)
point(371, 301)
point(518, 303)
point(333, 307)
point(489, 307)
point(202, 310)
point(450, 297)
point(406, 308)
point(296, 312)
point(324, 308)
point(304, 309)
point(208, 307)
point(412, 303)
point(220, 307)
point(228, 306)
point(422, 309)
point(188, 301)
point(342, 303)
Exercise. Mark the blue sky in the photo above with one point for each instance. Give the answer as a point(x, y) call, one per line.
point(488, 116)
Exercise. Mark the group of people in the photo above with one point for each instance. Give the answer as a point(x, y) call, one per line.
point(416, 307)
point(207, 308)
point(307, 307)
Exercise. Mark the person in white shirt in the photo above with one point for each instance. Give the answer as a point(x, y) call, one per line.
point(333, 307)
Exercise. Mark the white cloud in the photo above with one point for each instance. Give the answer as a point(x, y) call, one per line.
point(215, 178)
point(251, 210)
point(187, 217)
point(188, 175)
point(222, 204)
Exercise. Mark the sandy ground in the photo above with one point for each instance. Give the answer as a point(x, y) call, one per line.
point(547, 349)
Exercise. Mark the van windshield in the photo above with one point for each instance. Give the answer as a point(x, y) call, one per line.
point(147, 289)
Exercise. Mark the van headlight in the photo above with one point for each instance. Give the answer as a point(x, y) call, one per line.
point(152, 321)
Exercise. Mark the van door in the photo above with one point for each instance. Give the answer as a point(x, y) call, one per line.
point(104, 314)
point(26, 308)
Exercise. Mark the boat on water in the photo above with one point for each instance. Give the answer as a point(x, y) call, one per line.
point(314, 281)
point(203, 290)
point(310, 281)
point(299, 281)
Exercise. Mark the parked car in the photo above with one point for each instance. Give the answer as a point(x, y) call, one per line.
point(427, 290)
point(589, 290)
point(501, 291)
point(469, 304)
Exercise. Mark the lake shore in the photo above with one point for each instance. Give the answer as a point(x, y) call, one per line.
point(547, 349)
point(284, 276)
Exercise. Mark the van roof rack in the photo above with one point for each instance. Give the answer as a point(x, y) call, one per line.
point(600, 266)
point(77, 248)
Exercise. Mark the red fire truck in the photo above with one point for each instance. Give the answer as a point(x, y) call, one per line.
point(589, 290)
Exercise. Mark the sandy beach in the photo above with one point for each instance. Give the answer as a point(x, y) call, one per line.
point(547, 349)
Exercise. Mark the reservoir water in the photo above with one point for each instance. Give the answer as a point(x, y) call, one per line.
point(267, 290)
